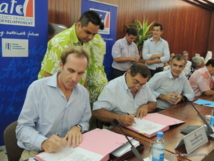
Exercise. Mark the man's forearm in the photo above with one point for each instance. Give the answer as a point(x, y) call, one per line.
point(105, 116)
point(155, 56)
point(152, 106)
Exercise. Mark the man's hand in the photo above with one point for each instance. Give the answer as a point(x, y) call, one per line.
point(54, 144)
point(74, 136)
point(135, 58)
point(172, 98)
point(142, 111)
point(126, 119)
point(149, 61)
point(179, 97)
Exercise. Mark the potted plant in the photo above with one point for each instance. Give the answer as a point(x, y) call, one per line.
point(143, 31)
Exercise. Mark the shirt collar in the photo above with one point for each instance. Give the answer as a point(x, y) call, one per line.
point(123, 80)
point(74, 35)
point(171, 76)
point(151, 39)
point(52, 81)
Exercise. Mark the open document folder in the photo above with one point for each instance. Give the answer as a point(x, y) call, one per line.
point(150, 124)
point(96, 145)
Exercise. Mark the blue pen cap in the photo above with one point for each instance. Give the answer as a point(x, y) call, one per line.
point(160, 134)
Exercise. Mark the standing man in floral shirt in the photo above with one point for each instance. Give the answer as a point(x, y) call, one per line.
point(83, 33)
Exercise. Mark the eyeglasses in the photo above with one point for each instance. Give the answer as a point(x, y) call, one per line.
point(137, 83)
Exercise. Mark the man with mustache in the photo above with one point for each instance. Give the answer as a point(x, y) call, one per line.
point(125, 97)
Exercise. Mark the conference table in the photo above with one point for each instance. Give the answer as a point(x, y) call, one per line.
point(182, 111)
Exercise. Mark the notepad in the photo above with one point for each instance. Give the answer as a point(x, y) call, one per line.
point(205, 103)
point(152, 123)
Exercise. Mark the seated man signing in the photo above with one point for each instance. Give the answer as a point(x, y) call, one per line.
point(56, 110)
point(125, 97)
point(171, 87)
point(201, 80)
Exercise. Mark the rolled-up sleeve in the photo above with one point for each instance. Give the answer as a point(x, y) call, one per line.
point(146, 55)
point(116, 50)
point(165, 57)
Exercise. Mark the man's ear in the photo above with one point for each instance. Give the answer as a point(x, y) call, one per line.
point(79, 24)
point(60, 65)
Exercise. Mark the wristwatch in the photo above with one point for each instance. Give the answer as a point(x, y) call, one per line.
point(79, 127)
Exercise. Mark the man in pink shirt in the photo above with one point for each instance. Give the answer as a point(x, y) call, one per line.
point(201, 80)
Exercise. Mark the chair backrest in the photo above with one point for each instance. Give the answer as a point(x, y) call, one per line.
point(13, 150)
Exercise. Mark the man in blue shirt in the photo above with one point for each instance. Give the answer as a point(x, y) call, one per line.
point(156, 50)
point(125, 97)
point(171, 87)
point(56, 110)
point(125, 53)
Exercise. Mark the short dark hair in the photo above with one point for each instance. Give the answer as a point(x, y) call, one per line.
point(211, 61)
point(131, 31)
point(184, 52)
point(93, 17)
point(179, 57)
point(77, 50)
point(158, 24)
point(139, 68)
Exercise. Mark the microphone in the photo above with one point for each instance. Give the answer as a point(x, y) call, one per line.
point(134, 150)
point(191, 128)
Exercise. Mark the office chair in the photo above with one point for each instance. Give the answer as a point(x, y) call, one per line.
point(13, 150)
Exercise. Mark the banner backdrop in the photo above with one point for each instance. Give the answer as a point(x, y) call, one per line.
point(23, 42)
point(108, 13)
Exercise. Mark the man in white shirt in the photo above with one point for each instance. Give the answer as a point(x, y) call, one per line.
point(156, 50)
point(171, 87)
point(124, 53)
point(187, 68)
point(125, 97)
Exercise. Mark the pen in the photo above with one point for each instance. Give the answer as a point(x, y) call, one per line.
point(134, 121)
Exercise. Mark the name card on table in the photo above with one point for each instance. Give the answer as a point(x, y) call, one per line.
point(194, 140)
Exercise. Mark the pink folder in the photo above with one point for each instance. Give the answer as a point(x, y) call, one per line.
point(99, 141)
point(159, 119)
point(102, 141)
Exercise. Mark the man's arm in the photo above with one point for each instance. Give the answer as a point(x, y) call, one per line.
point(26, 133)
point(209, 92)
point(148, 56)
point(107, 116)
point(125, 59)
point(144, 109)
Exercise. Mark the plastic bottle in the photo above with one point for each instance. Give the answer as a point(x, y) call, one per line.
point(158, 148)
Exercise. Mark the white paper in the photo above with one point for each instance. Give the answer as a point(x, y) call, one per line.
point(146, 126)
point(71, 154)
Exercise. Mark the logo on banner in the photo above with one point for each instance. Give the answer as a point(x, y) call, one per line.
point(14, 47)
point(105, 16)
point(18, 12)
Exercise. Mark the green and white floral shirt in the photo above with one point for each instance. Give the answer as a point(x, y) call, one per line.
point(95, 74)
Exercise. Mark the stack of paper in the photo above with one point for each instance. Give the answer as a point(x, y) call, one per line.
point(96, 145)
point(152, 123)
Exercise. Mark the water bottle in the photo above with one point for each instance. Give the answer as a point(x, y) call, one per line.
point(158, 148)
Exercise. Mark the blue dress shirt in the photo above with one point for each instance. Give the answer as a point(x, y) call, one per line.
point(122, 49)
point(164, 83)
point(116, 97)
point(46, 111)
point(150, 48)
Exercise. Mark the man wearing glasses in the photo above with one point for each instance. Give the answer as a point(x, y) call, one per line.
point(83, 33)
point(125, 97)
